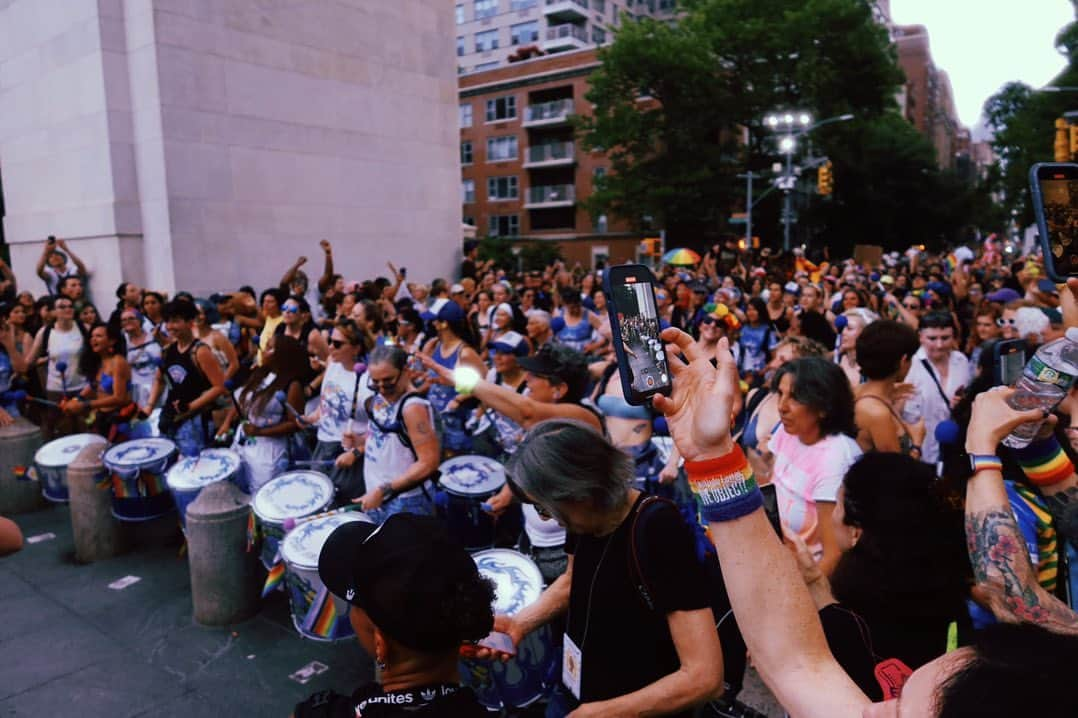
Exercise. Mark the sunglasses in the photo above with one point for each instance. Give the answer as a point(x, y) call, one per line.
point(519, 495)
point(337, 343)
point(1001, 322)
point(709, 320)
point(290, 309)
point(377, 384)
point(913, 305)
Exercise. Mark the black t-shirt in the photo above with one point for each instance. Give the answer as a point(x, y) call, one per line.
point(370, 701)
point(627, 645)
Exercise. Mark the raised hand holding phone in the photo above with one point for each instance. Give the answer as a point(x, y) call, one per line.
point(634, 322)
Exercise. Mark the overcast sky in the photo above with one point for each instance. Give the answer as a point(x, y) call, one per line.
point(983, 45)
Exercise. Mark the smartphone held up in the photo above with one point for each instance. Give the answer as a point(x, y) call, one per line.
point(634, 321)
point(1054, 188)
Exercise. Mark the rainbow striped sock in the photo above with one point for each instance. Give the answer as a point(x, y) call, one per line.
point(1044, 463)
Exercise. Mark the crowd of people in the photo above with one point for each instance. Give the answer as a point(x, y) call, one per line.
point(825, 489)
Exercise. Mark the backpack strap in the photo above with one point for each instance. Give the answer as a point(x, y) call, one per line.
point(636, 572)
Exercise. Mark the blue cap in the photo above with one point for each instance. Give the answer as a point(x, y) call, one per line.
point(510, 343)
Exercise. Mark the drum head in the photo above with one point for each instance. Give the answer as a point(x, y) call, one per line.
point(62, 452)
point(303, 544)
point(293, 495)
point(212, 465)
point(138, 453)
point(517, 581)
point(472, 475)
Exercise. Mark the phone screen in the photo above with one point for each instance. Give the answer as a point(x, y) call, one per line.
point(1010, 367)
point(639, 323)
point(1059, 194)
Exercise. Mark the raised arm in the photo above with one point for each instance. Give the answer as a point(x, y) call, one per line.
point(286, 280)
point(997, 550)
point(326, 280)
point(74, 258)
point(774, 609)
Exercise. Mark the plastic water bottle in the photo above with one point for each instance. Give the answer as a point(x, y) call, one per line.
point(1046, 379)
point(913, 409)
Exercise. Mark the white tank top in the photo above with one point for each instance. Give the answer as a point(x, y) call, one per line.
point(66, 347)
point(542, 533)
point(387, 458)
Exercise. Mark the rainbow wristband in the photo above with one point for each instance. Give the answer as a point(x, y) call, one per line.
point(1044, 463)
point(725, 486)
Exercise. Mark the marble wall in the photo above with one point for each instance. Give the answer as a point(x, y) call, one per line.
point(201, 145)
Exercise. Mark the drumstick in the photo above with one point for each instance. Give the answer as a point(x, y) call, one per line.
point(314, 462)
point(291, 523)
point(230, 384)
point(283, 398)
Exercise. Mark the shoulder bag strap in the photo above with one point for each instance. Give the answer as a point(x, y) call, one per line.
point(939, 387)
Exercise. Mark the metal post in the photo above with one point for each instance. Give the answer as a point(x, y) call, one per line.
point(748, 211)
point(786, 204)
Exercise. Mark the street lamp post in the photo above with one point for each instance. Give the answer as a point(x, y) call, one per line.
point(793, 124)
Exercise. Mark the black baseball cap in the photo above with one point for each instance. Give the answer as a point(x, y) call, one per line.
point(396, 573)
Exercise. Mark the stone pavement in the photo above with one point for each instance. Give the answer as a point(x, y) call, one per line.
point(74, 647)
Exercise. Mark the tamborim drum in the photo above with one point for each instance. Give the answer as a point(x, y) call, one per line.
point(468, 482)
point(51, 460)
point(191, 474)
point(138, 467)
point(316, 613)
point(291, 495)
point(532, 671)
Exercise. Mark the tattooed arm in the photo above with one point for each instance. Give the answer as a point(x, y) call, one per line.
point(997, 550)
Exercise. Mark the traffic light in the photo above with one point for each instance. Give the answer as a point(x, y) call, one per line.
point(825, 181)
point(1063, 141)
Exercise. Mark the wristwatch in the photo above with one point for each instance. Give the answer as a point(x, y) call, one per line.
point(388, 492)
point(356, 452)
point(966, 464)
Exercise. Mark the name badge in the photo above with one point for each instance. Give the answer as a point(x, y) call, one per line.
point(571, 666)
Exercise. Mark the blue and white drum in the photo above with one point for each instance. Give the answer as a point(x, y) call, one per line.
point(52, 459)
point(291, 495)
point(530, 674)
point(139, 491)
point(468, 482)
point(191, 474)
point(316, 613)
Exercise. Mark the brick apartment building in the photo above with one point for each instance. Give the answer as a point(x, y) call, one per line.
point(523, 174)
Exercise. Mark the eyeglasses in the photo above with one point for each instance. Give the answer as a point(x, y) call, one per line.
point(911, 305)
point(290, 309)
point(337, 343)
point(519, 495)
point(378, 384)
point(129, 319)
point(1001, 322)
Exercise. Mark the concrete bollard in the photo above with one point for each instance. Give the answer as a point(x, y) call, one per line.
point(18, 443)
point(97, 533)
point(224, 580)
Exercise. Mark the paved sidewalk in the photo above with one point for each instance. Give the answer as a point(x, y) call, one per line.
point(74, 647)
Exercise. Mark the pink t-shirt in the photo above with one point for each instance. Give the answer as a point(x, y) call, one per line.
point(804, 475)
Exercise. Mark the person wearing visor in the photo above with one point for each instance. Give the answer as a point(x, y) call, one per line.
point(415, 596)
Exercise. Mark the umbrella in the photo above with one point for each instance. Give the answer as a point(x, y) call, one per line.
point(681, 257)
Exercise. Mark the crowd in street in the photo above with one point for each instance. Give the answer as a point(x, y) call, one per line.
point(824, 491)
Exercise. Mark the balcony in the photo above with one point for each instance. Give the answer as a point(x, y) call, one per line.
point(547, 196)
point(550, 154)
point(548, 114)
point(565, 37)
point(566, 10)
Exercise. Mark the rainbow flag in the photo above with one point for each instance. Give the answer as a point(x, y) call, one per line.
point(951, 261)
point(321, 618)
point(274, 579)
point(20, 473)
point(120, 488)
point(105, 482)
point(151, 484)
point(252, 532)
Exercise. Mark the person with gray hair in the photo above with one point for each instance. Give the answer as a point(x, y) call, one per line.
point(639, 628)
point(538, 328)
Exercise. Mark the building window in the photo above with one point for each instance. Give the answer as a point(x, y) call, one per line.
point(460, 46)
point(486, 41)
point(469, 220)
point(600, 226)
point(486, 66)
point(522, 4)
point(460, 14)
point(599, 6)
point(502, 108)
point(598, 173)
point(485, 8)
point(667, 4)
point(502, 188)
point(503, 225)
point(524, 32)
point(465, 153)
point(598, 35)
point(467, 191)
point(500, 149)
point(466, 115)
